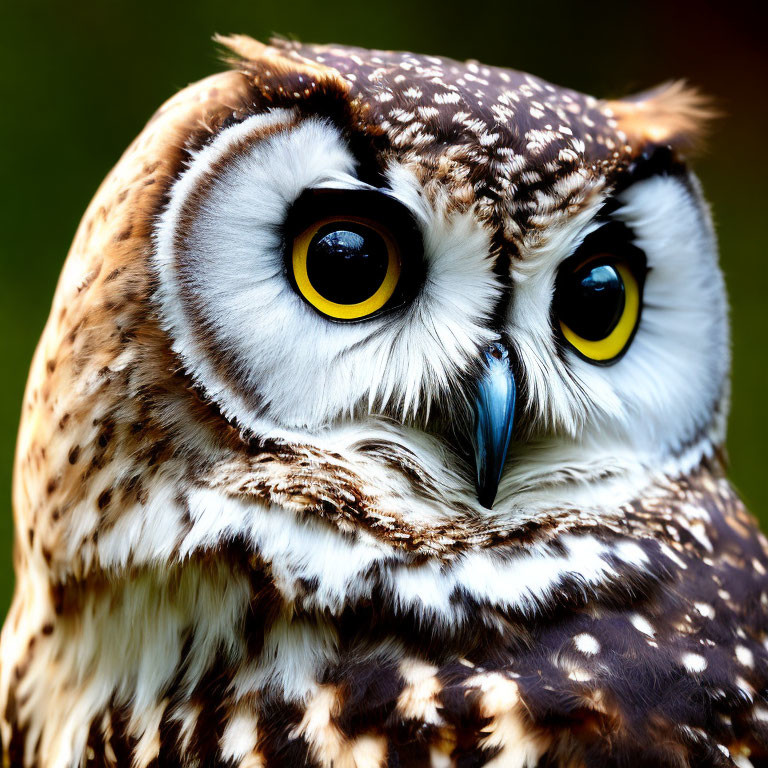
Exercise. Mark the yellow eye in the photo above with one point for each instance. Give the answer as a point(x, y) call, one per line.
point(346, 267)
point(598, 306)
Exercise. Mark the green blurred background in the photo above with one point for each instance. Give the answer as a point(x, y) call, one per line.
point(79, 79)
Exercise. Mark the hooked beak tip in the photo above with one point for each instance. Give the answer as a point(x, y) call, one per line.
point(487, 495)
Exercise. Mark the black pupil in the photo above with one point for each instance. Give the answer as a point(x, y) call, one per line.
point(591, 301)
point(347, 264)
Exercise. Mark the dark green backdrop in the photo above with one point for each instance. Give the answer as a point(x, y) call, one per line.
point(79, 79)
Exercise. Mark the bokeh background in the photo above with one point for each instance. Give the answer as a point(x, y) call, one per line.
point(79, 79)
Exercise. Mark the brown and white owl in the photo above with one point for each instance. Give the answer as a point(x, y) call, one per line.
point(378, 422)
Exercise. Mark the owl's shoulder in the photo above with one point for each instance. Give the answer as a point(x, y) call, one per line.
point(677, 670)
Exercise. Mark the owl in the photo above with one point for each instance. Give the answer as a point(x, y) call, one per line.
point(378, 421)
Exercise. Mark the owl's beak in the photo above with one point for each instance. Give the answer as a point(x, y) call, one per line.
point(494, 407)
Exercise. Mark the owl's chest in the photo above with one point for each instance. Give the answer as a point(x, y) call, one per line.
point(210, 664)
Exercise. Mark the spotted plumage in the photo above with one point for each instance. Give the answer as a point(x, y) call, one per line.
point(250, 535)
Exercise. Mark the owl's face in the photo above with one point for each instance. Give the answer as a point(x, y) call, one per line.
point(317, 280)
point(402, 305)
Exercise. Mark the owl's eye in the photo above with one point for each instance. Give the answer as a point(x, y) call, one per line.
point(598, 303)
point(347, 267)
point(351, 255)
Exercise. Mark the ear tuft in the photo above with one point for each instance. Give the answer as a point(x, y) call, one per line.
point(243, 47)
point(673, 113)
point(279, 68)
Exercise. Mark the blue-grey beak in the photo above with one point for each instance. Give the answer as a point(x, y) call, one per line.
point(494, 407)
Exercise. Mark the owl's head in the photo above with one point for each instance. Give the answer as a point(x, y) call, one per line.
point(351, 309)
